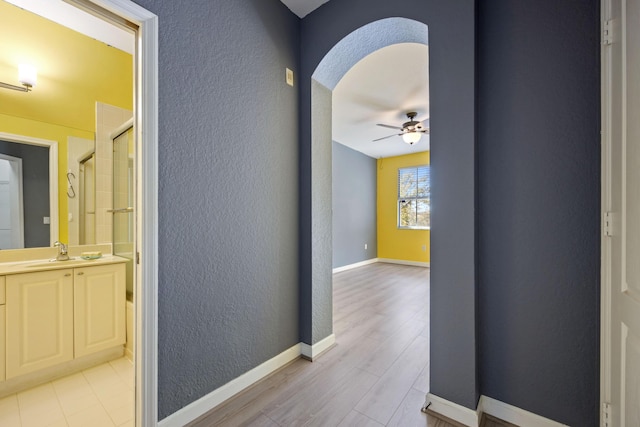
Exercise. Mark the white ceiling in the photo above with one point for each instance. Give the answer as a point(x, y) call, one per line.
point(80, 21)
point(382, 88)
point(303, 7)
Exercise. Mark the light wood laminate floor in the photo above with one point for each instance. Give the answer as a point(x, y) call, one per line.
point(376, 375)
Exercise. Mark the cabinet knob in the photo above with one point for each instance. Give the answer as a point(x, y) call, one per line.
point(80, 273)
point(67, 275)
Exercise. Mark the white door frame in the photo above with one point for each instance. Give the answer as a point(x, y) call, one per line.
point(146, 130)
point(605, 250)
point(54, 214)
point(619, 306)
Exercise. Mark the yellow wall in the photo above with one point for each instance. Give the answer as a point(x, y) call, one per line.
point(74, 72)
point(20, 126)
point(395, 243)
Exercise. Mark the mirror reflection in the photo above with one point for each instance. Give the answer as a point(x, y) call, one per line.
point(24, 178)
point(81, 191)
point(82, 93)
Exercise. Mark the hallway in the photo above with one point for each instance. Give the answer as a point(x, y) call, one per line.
point(376, 375)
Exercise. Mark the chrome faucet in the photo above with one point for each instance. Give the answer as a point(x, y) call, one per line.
point(62, 251)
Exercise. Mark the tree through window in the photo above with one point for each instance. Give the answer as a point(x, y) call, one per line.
point(414, 197)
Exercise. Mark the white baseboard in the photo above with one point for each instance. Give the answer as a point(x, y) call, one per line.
point(356, 265)
point(487, 405)
point(403, 262)
point(513, 414)
point(311, 351)
point(206, 403)
point(387, 260)
point(451, 410)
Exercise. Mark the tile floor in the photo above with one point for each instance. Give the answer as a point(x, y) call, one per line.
point(96, 397)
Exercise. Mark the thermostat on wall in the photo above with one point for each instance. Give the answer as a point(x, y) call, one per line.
point(289, 76)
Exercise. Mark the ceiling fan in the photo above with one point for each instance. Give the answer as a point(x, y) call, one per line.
point(411, 131)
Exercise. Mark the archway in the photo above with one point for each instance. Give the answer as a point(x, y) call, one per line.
point(338, 61)
point(356, 33)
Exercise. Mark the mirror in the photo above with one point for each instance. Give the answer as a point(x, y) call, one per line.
point(84, 92)
point(27, 172)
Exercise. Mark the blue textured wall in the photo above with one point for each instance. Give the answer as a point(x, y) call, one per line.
point(539, 206)
point(232, 157)
point(228, 183)
point(354, 206)
point(316, 302)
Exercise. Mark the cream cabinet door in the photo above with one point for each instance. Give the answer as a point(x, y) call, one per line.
point(39, 316)
point(99, 308)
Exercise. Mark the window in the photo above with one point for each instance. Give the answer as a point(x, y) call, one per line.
point(414, 197)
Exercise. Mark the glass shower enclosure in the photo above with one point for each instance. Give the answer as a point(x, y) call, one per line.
point(123, 201)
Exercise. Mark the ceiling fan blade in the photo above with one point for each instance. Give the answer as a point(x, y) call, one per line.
point(390, 127)
point(385, 137)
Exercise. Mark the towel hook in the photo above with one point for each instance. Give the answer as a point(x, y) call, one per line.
point(71, 193)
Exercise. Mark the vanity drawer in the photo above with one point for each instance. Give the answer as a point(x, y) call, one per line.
point(2, 287)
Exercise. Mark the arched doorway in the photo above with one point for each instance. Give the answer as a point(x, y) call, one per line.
point(452, 123)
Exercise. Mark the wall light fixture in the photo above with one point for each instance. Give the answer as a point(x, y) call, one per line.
point(27, 75)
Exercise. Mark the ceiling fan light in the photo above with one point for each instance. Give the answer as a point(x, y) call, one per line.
point(411, 137)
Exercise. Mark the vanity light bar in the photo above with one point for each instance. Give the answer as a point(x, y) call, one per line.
point(27, 75)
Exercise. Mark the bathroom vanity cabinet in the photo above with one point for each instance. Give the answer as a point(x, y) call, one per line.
point(58, 315)
point(99, 297)
point(39, 317)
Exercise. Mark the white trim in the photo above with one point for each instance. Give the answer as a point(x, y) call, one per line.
point(312, 351)
point(54, 214)
point(206, 403)
point(403, 262)
point(146, 128)
point(606, 91)
point(451, 410)
point(355, 265)
point(121, 129)
point(385, 260)
point(513, 414)
point(487, 405)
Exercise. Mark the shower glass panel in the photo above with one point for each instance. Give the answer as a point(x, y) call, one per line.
point(123, 197)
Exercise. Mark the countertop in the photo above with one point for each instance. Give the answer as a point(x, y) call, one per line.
point(45, 264)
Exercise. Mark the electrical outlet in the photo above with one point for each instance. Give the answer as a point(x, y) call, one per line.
point(424, 248)
point(365, 246)
point(289, 76)
point(46, 220)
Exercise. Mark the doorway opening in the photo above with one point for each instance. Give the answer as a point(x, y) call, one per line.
point(381, 182)
point(380, 195)
point(355, 47)
point(143, 25)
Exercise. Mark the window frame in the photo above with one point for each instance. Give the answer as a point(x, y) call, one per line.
point(416, 199)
